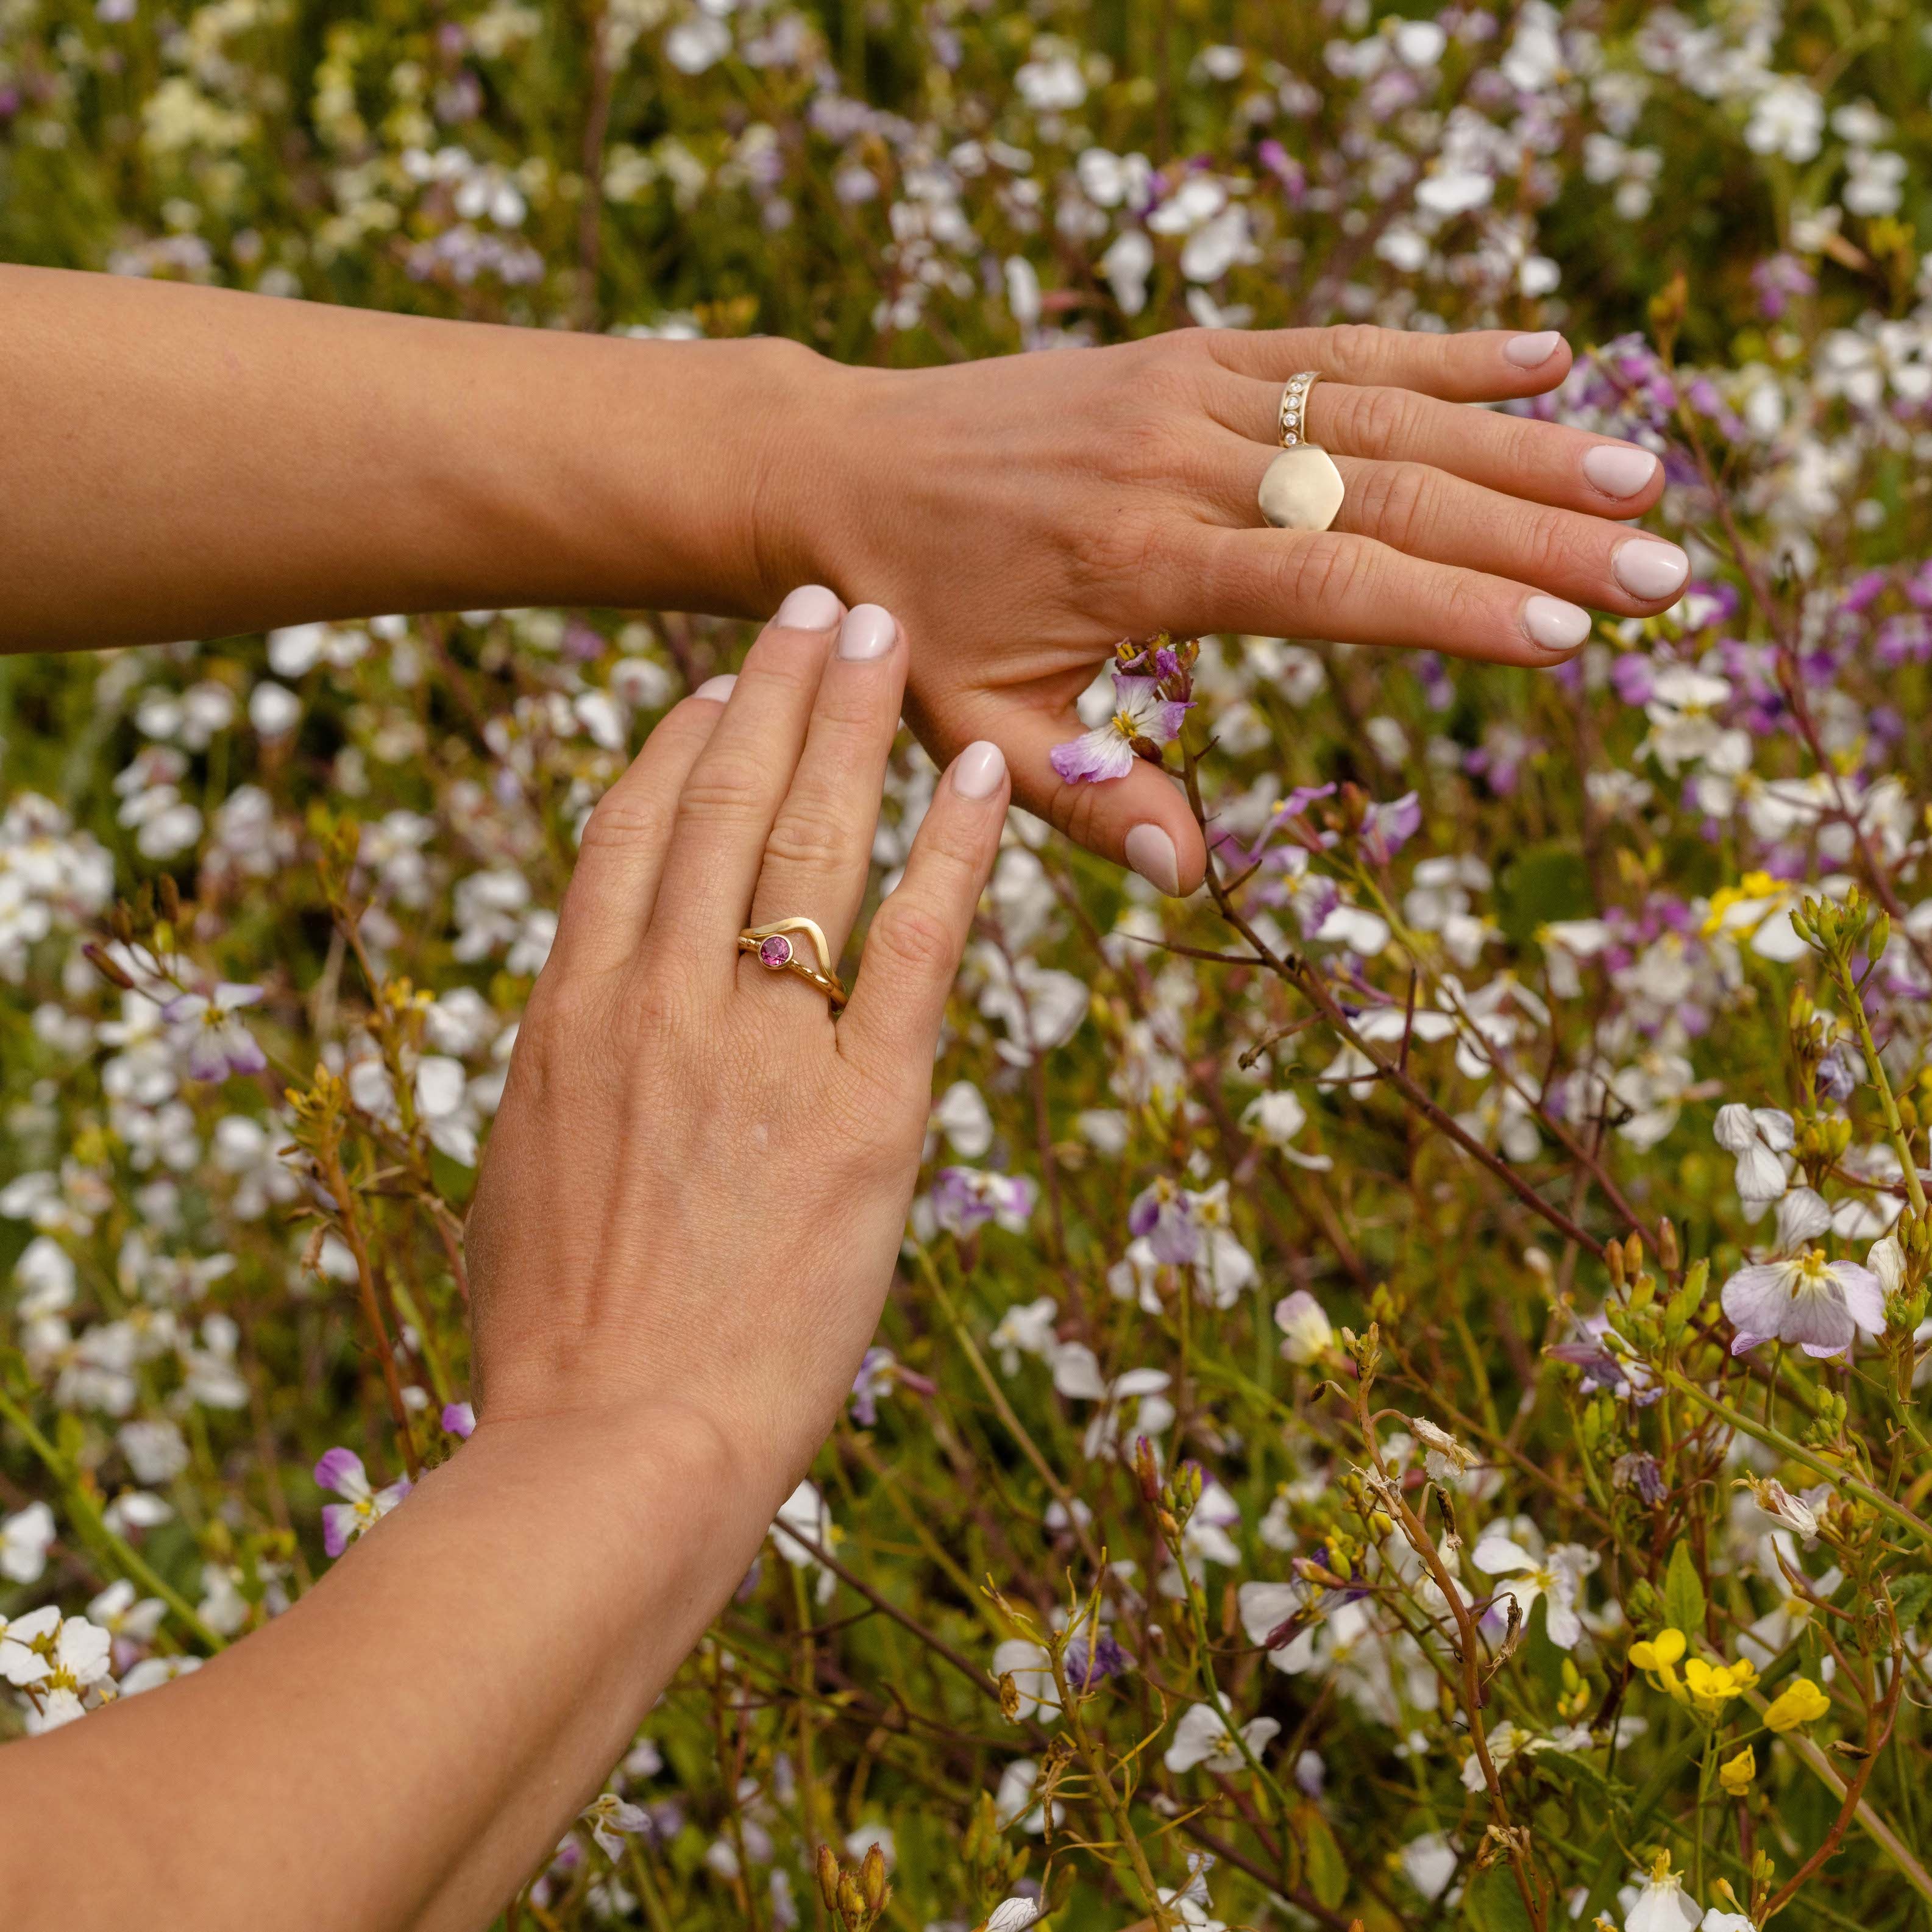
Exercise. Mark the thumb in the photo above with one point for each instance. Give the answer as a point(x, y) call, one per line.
point(1142, 820)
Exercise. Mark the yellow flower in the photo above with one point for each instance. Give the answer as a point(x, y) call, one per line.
point(1712, 1686)
point(1800, 1702)
point(1657, 1657)
point(1735, 1773)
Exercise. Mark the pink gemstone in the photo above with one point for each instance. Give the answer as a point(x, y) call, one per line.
point(775, 953)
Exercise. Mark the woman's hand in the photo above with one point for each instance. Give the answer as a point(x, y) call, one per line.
point(697, 1185)
point(684, 1229)
point(1021, 515)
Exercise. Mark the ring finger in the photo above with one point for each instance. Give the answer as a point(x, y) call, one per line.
point(1519, 456)
point(1428, 514)
point(818, 858)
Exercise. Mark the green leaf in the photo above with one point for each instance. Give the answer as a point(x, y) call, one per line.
point(1909, 1596)
point(1327, 1870)
point(1683, 1592)
point(1492, 1903)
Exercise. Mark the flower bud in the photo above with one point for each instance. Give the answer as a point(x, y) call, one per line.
point(872, 1880)
point(828, 1877)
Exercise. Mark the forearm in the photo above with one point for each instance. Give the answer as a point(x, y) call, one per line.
point(407, 1743)
point(194, 462)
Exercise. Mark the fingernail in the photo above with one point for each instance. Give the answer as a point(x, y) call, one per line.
point(1555, 624)
point(977, 771)
point(1527, 352)
point(869, 631)
point(717, 688)
point(1151, 853)
point(1648, 568)
point(810, 607)
point(1619, 468)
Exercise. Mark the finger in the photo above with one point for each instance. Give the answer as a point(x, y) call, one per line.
point(725, 811)
point(913, 947)
point(818, 858)
point(1142, 820)
point(1545, 462)
point(621, 855)
point(1330, 583)
point(1429, 514)
point(1480, 365)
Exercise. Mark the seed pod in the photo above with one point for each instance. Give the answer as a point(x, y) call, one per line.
point(1666, 1246)
point(106, 968)
point(170, 894)
point(872, 1880)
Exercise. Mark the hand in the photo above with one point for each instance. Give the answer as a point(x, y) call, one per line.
point(1022, 515)
point(697, 1185)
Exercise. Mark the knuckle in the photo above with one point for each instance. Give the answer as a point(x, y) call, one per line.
point(912, 938)
point(1353, 350)
point(1547, 545)
point(1402, 501)
point(620, 823)
point(730, 787)
point(1467, 608)
point(1379, 421)
point(811, 837)
point(1321, 572)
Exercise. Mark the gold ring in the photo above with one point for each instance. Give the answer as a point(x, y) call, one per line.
point(1301, 489)
point(771, 946)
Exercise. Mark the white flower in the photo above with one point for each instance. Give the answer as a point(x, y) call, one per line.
point(1013, 1801)
point(1429, 1862)
point(1014, 1915)
point(1556, 1577)
point(804, 1514)
point(1446, 1460)
point(1031, 1669)
point(24, 1539)
point(1025, 1329)
point(1307, 1335)
point(1819, 1305)
point(1760, 1137)
point(1661, 1905)
point(1276, 1118)
point(1787, 118)
point(1202, 1738)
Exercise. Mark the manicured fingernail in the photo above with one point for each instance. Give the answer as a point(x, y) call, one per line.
point(1555, 624)
point(869, 631)
point(810, 607)
point(717, 688)
point(1619, 468)
point(1529, 352)
point(1648, 568)
point(1151, 853)
point(977, 771)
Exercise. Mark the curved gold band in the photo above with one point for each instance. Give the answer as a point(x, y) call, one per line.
point(771, 946)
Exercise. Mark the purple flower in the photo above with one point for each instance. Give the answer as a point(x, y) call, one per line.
point(213, 1041)
point(1834, 1078)
point(876, 1374)
point(1087, 1665)
point(1140, 713)
point(1634, 677)
point(361, 1507)
point(965, 1198)
point(459, 1418)
point(1639, 1471)
point(1387, 829)
point(1163, 1216)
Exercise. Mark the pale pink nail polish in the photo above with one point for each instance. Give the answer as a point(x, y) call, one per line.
point(810, 607)
point(1619, 468)
point(869, 631)
point(717, 688)
point(977, 771)
point(1649, 569)
point(1531, 352)
point(1553, 625)
point(1151, 853)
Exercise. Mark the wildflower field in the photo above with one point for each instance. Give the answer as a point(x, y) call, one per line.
point(1402, 1401)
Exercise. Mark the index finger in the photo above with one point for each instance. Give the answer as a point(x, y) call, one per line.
point(1481, 365)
